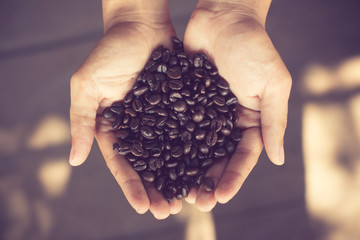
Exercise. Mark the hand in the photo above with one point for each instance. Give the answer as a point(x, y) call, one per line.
point(104, 77)
point(234, 38)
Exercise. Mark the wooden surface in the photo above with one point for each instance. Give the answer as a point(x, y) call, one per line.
point(41, 45)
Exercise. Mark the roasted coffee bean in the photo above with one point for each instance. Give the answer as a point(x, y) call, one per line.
point(211, 138)
point(154, 99)
point(155, 152)
point(140, 165)
point(134, 124)
point(137, 150)
point(173, 134)
point(190, 102)
point(205, 123)
point(177, 151)
point(149, 144)
point(185, 135)
point(221, 83)
point(175, 96)
point(176, 84)
point(181, 169)
point(231, 100)
point(191, 171)
point(211, 113)
point(141, 90)
point(178, 45)
point(204, 148)
point(116, 146)
point(107, 113)
point(199, 72)
point(230, 146)
point(225, 131)
point(150, 65)
point(171, 163)
point(220, 152)
point(124, 148)
point(198, 61)
point(236, 135)
point(129, 97)
point(173, 73)
point(148, 176)
point(160, 183)
point(157, 53)
point(161, 68)
point(148, 120)
point(131, 157)
point(187, 147)
point(200, 134)
point(180, 106)
point(137, 105)
point(116, 124)
point(172, 174)
point(206, 163)
point(147, 132)
point(219, 100)
point(208, 184)
point(165, 55)
point(197, 117)
point(193, 152)
point(161, 112)
point(190, 126)
point(130, 112)
point(122, 134)
point(199, 179)
point(222, 109)
point(161, 121)
point(168, 195)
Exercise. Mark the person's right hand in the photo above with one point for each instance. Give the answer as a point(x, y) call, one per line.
point(133, 29)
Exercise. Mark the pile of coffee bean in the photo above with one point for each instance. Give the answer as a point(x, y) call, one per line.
point(178, 118)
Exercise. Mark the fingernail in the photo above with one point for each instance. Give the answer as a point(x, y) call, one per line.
point(71, 157)
point(281, 155)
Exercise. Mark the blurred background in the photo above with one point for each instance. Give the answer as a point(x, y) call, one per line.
point(315, 195)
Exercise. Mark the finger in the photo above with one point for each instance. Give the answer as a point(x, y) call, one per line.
point(159, 206)
point(127, 178)
point(240, 165)
point(274, 108)
point(205, 201)
point(191, 198)
point(175, 206)
point(82, 120)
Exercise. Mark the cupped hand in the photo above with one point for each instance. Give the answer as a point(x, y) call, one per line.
point(234, 38)
point(105, 77)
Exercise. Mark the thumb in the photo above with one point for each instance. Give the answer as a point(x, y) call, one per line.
point(82, 120)
point(274, 108)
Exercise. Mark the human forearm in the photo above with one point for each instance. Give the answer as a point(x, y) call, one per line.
point(116, 11)
point(250, 8)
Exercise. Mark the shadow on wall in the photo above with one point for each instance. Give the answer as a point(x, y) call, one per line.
point(331, 138)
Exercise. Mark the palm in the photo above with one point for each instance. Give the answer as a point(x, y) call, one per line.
point(246, 58)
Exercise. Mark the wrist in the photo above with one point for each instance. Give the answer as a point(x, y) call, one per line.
point(140, 11)
point(245, 9)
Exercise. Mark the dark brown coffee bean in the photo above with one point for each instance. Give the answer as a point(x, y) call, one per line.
point(198, 61)
point(197, 117)
point(220, 152)
point(129, 97)
point(148, 120)
point(131, 158)
point(191, 171)
point(150, 65)
point(222, 109)
point(236, 134)
point(134, 124)
point(154, 99)
point(161, 68)
point(172, 124)
point(122, 134)
point(199, 179)
point(190, 102)
point(141, 90)
point(206, 163)
point(139, 165)
point(208, 65)
point(173, 134)
point(137, 150)
point(165, 55)
point(173, 61)
point(193, 152)
point(225, 131)
point(176, 84)
point(177, 43)
point(149, 144)
point(148, 176)
point(172, 174)
point(204, 149)
point(221, 83)
point(157, 53)
point(174, 73)
point(199, 72)
point(200, 134)
point(219, 100)
point(152, 164)
point(211, 138)
point(175, 96)
point(147, 132)
point(208, 184)
point(116, 146)
point(187, 147)
point(107, 113)
point(180, 169)
point(224, 92)
point(231, 100)
point(168, 195)
point(230, 146)
point(124, 148)
point(177, 151)
point(204, 123)
point(117, 123)
point(190, 126)
point(159, 163)
point(137, 105)
point(161, 121)
point(211, 113)
point(130, 112)
point(180, 106)
point(185, 135)
point(171, 163)
point(161, 112)
point(160, 183)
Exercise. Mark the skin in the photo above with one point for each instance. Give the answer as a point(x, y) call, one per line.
point(234, 38)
